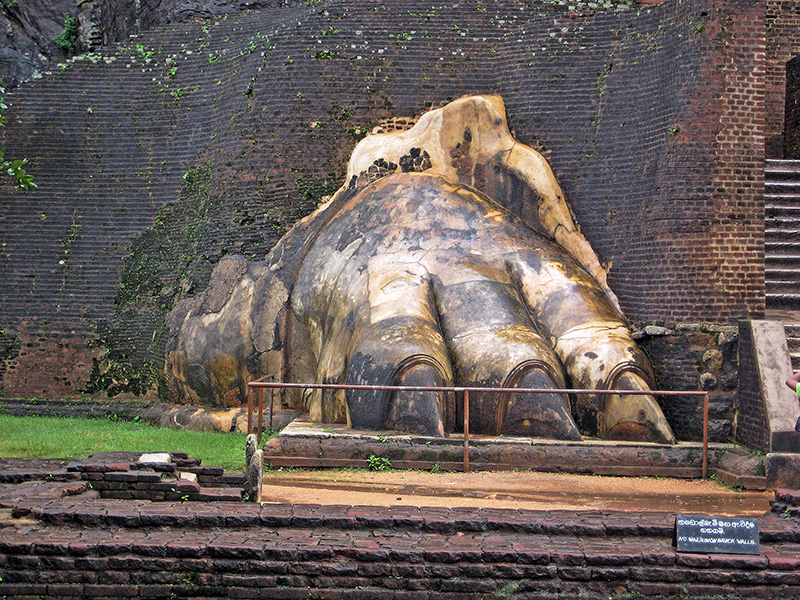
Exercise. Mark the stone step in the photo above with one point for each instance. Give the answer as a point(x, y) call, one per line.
point(782, 187)
point(776, 202)
point(786, 286)
point(776, 299)
point(782, 256)
point(786, 273)
point(787, 244)
point(780, 233)
point(782, 168)
point(782, 225)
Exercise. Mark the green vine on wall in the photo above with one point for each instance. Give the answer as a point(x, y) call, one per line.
point(67, 40)
point(13, 168)
point(165, 264)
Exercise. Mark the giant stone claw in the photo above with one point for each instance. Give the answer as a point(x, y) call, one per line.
point(415, 274)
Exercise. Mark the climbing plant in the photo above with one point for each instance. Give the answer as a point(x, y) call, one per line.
point(13, 168)
point(67, 40)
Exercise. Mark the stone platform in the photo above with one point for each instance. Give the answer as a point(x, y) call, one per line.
point(57, 542)
point(303, 443)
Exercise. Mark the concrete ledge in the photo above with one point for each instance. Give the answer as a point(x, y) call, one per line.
point(305, 444)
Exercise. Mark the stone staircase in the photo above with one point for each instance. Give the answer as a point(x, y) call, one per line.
point(782, 248)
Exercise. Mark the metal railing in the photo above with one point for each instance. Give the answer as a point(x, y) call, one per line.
point(259, 386)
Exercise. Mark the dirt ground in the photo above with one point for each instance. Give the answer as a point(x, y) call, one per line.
point(513, 490)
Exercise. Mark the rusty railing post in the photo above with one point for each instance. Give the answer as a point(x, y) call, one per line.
point(250, 411)
point(466, 431)
point(260, 412)
point(271, 400)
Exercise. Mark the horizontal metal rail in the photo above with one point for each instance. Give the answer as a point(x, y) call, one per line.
point(273, 385)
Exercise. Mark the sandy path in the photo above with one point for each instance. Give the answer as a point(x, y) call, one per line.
point(515, 490)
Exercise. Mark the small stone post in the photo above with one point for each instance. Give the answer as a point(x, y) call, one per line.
point(254, 469)
point(255, 476)
point(249, 449)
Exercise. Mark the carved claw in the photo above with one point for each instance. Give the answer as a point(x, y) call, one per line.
point(635, 417)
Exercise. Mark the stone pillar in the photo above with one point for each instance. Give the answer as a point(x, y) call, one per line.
point(767, 409)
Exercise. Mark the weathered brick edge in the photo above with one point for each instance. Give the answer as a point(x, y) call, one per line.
point(118, 475)
point(280, 551)
point(72, 544)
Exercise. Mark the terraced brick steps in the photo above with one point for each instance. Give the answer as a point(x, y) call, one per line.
point(782, 234)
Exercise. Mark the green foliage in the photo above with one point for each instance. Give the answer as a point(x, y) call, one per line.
point(67, 40)
point(378, 463)
point(165, 264)
point(13, 168)
point(117, 376)
point(145, 52)
point(54, 437)
point(508, 589)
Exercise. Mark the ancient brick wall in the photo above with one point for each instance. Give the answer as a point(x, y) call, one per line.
point(793, 109)
point(225, 550)
point(159, 156)
point(782, 44)
point(45, 364)
point(693, 356)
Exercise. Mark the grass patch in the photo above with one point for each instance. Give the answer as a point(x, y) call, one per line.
point(55, 437)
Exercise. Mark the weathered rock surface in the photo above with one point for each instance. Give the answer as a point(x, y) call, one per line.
point(29, 28)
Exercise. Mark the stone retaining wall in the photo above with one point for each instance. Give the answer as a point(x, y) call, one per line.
point(281, 551)
point(57, 541)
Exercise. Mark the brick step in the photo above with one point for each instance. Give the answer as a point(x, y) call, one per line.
point(211, 494)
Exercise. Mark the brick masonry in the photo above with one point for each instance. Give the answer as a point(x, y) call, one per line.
point(793, 108)
point(783, 44)
point(113, 549)
point(199, 139)
point(121, 476)
point(58, 541)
